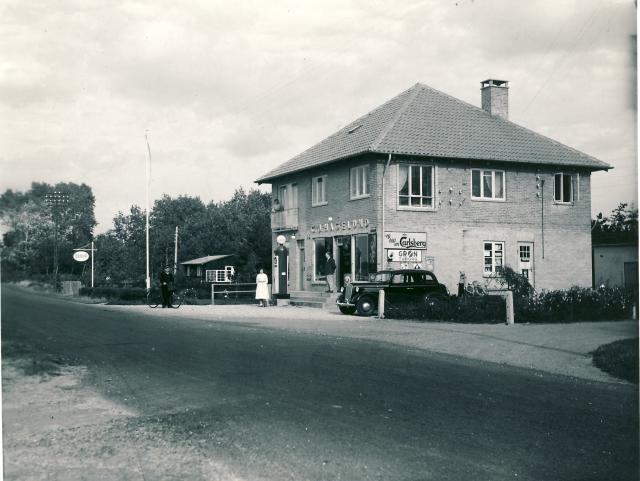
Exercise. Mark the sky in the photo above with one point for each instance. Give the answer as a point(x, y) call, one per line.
point(226, 91)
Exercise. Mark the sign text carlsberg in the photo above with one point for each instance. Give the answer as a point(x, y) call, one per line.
point(405, 240)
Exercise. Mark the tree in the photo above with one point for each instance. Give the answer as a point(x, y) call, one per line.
point(29, 239)
point(121, 258)
point(619, 228)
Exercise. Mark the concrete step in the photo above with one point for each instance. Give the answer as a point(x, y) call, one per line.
point(321, 300)
point(307, 303)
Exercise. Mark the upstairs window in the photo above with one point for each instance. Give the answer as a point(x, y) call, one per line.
point(319, 190)
point(415, 185)
point(563, 188)
point(359, 182)
point(487, 184)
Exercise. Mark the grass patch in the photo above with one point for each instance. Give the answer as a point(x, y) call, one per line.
point(620, 359)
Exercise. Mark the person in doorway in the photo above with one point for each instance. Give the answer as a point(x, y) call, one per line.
point(330, 271)
point(166, 286)
point(262, 288)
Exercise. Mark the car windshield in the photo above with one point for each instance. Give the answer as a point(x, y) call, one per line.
point(381, 277)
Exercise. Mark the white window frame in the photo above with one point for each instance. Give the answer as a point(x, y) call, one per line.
point(433, 187)
point(290, 201)
point(493, 185)
point(562, 176)
point(322, 199)
point(359, 185)
point(493, 272)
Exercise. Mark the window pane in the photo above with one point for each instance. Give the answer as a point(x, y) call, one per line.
point(415, 200)
point(566, 188)
point(403, 181)
point(362, 257)
point(499, 185)
point(283, 197)
point(404, 200)
point(557, 188)
point(426, 181)
point(475, 183)
point(365, 180)
point(486, 175)
point(354, 182)
point(415, 180)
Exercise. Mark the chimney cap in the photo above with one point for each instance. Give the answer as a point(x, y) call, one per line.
point(494, 83)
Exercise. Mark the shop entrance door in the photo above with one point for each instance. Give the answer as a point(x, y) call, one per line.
point(343, 260)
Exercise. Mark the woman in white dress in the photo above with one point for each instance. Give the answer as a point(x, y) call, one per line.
point(262, 289)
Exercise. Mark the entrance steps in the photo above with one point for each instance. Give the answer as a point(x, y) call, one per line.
point(317, 299)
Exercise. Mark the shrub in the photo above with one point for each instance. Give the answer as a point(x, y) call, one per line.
point(619, 358)
point(116, 294)
point(473, 310)
point(574, 305)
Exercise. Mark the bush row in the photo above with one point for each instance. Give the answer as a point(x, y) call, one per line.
point(472, 310)
point(129, 294)
point(575, 304)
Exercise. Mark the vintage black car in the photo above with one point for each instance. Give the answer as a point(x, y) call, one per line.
point(400, 287)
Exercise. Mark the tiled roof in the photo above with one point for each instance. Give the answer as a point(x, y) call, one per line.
point(426, 122)
point(203, 260)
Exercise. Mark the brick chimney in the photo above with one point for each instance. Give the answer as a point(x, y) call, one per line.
point(495, 97)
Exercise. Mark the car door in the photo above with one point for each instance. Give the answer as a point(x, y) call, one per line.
point(395, 292)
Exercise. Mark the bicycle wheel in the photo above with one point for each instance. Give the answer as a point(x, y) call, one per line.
point(153, 299)
point(176, 301)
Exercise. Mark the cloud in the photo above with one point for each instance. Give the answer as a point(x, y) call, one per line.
point(240, 87)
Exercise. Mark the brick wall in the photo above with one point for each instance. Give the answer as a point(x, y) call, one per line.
point(457, 225)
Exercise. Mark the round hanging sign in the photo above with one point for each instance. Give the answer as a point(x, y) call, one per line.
point(81, 256)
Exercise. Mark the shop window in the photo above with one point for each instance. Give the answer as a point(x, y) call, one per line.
point(319, 190)
point(493, 258)
point(487, 184)
point(563, 188)
point(321, 246)
point(365, 256)
point(359, 180)
point(415, 185)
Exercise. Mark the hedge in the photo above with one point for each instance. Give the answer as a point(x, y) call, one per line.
point(127, 294)
point(466, 309)
point(577, 304)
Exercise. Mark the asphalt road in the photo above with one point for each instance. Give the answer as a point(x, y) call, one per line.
point(276, 405)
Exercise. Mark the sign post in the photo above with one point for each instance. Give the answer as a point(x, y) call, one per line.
point(81, 255)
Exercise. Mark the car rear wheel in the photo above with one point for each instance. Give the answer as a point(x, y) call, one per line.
point(365, 306)
point(347, 309)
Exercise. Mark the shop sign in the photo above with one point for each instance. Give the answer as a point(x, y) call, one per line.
point(405, 240)
point(81, 256)
point(338, 226)
point(404, 255)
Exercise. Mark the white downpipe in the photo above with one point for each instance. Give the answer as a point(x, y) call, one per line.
point(384, 171)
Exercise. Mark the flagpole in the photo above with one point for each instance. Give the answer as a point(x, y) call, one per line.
point(92, 264)
point(148, 175)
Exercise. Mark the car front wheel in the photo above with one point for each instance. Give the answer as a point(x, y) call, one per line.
point(347, 309)
point(365, 306)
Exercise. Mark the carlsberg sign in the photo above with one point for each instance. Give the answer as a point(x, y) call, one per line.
point(405, 240)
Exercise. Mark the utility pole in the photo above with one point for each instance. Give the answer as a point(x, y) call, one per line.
point(55, 200)
point(148, 175)
point(175, 254)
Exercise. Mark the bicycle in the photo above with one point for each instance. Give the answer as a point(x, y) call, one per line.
point(475, 289)
point(154, 299)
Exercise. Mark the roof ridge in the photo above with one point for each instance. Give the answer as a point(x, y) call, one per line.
point(383, 133)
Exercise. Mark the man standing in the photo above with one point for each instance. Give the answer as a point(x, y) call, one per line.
point(330, 269)
point(166, 286)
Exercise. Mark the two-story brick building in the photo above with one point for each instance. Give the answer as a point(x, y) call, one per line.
point(428, 180)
